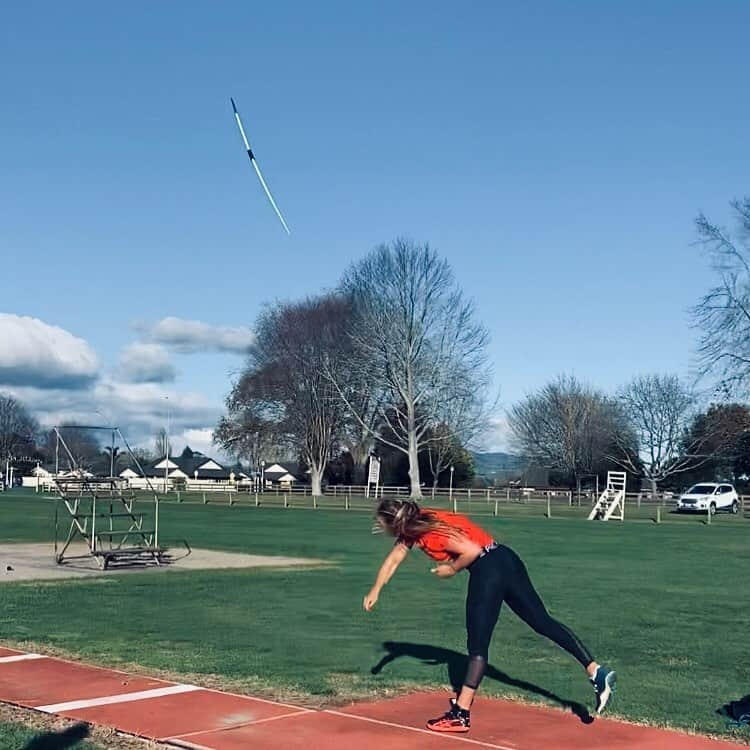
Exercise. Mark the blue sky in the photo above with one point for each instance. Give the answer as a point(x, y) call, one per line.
point(556, 153)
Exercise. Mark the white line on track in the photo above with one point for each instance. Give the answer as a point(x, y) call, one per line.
point(108, 700)
point(421, 731)
point(176, 689)
point(20, 657)
point(189, 745)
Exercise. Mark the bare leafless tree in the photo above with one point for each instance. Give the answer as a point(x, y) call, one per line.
point(567, 426)
point(460, 421)
point(415, 344)
point(286, 378)
point(141, 455)
point(18, 429)
point(82, 447)
point(162, 443)
point(360, 423)
point(244, 432)
point(660, 410)
point(723, 314)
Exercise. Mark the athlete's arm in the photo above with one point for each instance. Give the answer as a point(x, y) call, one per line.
point(467, 552)
point(394, 558)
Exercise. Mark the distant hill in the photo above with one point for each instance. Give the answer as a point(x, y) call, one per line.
point(491, 464)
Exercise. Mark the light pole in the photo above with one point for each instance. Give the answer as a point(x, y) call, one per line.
point(107, 420)
point(262, 475)
point(451, 490)
point(112, 454)
point(166, 451)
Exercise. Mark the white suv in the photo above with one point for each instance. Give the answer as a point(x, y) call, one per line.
point(709, 496)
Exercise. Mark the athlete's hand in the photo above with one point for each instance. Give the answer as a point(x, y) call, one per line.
point(444, 571)
point(370, 601)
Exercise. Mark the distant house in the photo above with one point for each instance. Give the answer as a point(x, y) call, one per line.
point(279, 476)
point(193, 469)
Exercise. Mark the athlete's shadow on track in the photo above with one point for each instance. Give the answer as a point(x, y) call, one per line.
point(69, 737)
point(456, 663)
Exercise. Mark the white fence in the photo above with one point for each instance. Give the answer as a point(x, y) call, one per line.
point(196, 489)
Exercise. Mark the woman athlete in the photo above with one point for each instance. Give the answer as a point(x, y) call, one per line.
point(496, 575)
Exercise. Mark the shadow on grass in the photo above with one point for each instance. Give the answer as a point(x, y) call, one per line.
point(737, 713)
point(69, 737)
point(456, 663)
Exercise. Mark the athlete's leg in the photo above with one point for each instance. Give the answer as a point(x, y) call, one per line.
point(523, 599)
point(483, 602)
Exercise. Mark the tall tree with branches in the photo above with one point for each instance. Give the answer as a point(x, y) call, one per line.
point(286, 379)
point(83, 447)
point(723, 314)
point(723, 430)
point(162, 443)
point(660, 410)
point(461, 420)
point(566, 426)
point(18, 430)
point(245, 431)
point(415, 344)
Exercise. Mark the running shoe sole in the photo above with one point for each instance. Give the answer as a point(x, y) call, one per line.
point(610, 682)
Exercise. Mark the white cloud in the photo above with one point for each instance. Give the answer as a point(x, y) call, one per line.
point(189, 336)
point(146, 363)
point(57, 376)
point(144, 407)
point(498, 436)
point(199, 439)
point(139, 409)
point(34, 353)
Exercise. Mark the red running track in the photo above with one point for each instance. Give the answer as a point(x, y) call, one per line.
point(188, 716)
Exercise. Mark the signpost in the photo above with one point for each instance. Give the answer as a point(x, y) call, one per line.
point(373, 475)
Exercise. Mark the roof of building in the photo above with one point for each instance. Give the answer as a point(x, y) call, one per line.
point(280, 473)
point(207, 468)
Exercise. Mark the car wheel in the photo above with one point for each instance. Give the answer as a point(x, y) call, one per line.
point(712, 509)
point(735, 507)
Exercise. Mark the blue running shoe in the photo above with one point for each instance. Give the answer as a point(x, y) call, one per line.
point(604, 682)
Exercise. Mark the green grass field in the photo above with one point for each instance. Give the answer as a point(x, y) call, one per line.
point(667, 605)
point(14, 736)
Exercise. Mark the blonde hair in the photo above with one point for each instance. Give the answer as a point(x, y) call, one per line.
point(406, 520)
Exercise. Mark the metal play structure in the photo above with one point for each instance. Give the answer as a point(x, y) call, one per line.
point(102, 510)
point(611, 503)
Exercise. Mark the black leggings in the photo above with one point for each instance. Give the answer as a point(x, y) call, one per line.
point(500, 576)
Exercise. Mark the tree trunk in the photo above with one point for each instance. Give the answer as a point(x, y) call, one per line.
point(316, 478)
point(653, 489)
point(416, 489)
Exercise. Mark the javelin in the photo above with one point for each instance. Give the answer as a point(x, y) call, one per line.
point(257, 168)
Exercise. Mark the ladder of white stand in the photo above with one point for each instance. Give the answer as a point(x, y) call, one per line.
point(612, 500)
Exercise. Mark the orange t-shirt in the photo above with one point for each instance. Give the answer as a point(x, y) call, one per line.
point(434, 543)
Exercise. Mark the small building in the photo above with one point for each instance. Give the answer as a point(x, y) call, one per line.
point(41, 477)
point(279, 476)
point(194, 470)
